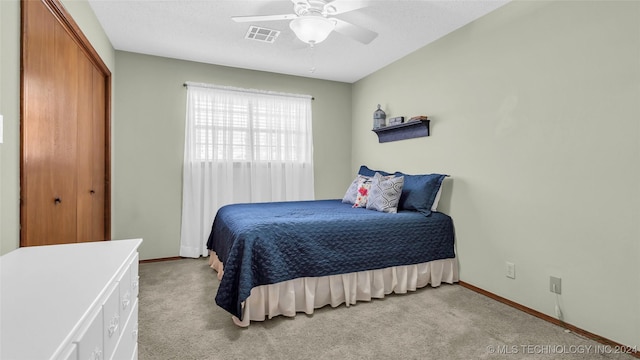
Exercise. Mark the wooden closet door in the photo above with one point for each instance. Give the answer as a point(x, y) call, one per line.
point(85, 152)
point(99, 191)
point(64, 130)
point(48, 132)
point(92, 160)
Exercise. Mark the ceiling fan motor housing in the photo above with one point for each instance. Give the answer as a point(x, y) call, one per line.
point(314, 7)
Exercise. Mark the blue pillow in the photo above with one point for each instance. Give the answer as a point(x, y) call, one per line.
point(419, 192)
point(365, 171)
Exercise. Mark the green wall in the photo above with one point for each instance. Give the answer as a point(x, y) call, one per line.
point(83, 15)
point(10, 109)
point(535, 114)
point(148, 140)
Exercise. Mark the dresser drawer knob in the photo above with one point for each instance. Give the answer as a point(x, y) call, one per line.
point(96, 354)
point(126, 301)
point(113, 326)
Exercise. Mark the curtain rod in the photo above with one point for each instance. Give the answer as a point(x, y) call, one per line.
point(256, 91)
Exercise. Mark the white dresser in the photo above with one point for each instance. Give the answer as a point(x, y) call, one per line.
point(72, 301)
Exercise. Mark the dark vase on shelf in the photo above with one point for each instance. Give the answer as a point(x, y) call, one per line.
point(379, 118)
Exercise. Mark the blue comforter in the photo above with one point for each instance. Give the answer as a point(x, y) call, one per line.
point(266, 243)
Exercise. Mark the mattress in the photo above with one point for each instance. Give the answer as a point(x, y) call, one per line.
point(270, 243)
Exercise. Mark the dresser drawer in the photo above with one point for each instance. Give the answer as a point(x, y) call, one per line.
point(90, 342)
point(126, 298)
point(128, 346)
point(111, 327)
point(129, 288)
point(135, 279)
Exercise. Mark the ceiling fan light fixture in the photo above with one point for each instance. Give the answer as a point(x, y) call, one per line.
point(312, 29)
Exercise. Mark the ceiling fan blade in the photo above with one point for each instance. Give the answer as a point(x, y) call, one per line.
point(356, 32)
point(263, 18)
point(342, 6)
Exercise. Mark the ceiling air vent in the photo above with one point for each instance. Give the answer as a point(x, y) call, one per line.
point(261, 34)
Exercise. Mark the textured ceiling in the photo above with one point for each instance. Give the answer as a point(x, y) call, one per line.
point(203, 31)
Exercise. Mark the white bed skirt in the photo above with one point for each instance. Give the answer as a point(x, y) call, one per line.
point(309, 293)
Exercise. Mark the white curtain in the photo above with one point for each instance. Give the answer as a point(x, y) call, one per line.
point(241, 146)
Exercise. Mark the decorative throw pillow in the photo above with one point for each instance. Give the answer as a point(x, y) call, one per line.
point(362, 193)
point(385, 192)
point(352, 191)
point(420, 192)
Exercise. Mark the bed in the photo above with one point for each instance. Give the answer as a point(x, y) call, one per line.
point(282, 258)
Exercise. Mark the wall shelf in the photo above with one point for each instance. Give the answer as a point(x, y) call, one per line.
point(408, 130)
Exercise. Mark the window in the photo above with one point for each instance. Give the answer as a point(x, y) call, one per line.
point(236, 126)
point(241, 146)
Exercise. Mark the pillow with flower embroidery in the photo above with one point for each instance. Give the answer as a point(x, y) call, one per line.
point(352, 192)
point(362, 193)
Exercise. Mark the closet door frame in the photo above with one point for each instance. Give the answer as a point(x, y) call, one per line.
point(60, 14)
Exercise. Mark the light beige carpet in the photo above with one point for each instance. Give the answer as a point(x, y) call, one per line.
point(178, 319)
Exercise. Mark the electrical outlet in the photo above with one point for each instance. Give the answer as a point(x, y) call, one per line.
point(511, 270)
point(555, 285)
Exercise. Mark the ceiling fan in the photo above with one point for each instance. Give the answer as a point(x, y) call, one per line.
point(313, 20)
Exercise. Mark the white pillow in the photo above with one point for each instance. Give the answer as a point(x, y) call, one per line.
point(362, 197)
point(434, 207)
point(352, 192)
point(385, 192)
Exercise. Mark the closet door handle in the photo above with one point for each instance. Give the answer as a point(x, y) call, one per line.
point(57, 201)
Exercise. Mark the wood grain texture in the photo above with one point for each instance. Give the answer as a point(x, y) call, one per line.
point(84, 140)
point(100, 149)
point(64, 130)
